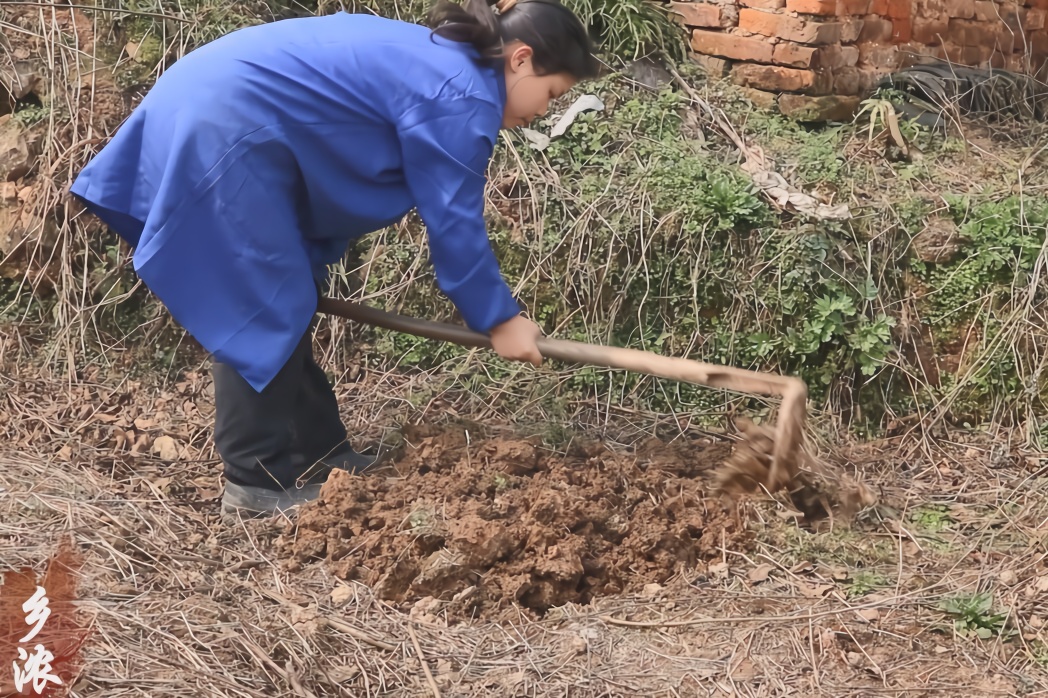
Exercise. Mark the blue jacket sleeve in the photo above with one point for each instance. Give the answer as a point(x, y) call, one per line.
point(446, 149)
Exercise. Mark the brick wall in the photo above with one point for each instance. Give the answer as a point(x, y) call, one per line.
point(814, 59)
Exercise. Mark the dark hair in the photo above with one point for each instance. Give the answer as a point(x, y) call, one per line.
point(556, 36)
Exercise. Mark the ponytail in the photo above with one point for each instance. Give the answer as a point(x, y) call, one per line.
point(473, 22)
point(557, 38)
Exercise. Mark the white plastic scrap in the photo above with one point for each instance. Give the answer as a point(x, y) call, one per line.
point(540, 141)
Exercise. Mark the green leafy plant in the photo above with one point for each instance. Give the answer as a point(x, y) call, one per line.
point(932, 518)
point(975, 615)
point(632, 28)
point(865, 581)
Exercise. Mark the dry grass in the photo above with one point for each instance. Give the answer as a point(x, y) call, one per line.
point(185, 603)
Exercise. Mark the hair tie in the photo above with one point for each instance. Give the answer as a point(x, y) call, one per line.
point(504, 6)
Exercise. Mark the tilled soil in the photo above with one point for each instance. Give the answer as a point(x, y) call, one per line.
point(487, 523)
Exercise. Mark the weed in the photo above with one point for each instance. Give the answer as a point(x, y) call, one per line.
point(503, 482)
point(975, 615)
point(932, 518)
point(865, 581)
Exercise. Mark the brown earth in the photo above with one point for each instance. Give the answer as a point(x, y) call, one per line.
point(492, 522)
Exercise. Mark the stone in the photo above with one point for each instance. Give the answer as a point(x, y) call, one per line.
point(16, 159)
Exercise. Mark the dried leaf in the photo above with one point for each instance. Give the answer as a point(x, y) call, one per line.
point(869, 614)
point(341, 674)
point(743, 671)
point(142, 424)
point(341, 594)
point(813, 591)
point(166, 448)
point(802, 568)
point(760, 573)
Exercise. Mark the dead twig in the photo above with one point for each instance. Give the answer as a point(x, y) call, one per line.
point(422, 660)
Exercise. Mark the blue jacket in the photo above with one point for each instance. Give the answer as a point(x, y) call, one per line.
point(256, 159)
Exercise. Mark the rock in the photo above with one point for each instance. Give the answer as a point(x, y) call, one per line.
point(815, 109)
point(15, 158)
point(652, 590)
point(21, 78)
point(939, 242)
point(649, 73)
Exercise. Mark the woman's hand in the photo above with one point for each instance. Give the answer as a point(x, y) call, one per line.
point(515, 340)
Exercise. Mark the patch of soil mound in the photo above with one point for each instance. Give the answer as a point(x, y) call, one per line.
point(498, 521)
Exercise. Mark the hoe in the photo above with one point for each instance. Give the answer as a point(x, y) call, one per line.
point(768, 458)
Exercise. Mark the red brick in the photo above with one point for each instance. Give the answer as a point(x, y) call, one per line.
point(1012, 16)
point(761, 99)
point(714, 67)
point(846, 8)
point(879, 57)
point(967, 32)
point(949, 52)
point(899, 9)
point(876, 30)
point(773, 78)
point(1039, 44)
point(801, 56)
point(739, 48)
point(828, 108)
point(794, 55)
point(697, 14)
point(976, 55)
point(790, 28)
point(932, 9)
point(930, 31)
point(960, 9)
point(911, 54)
point(1035, 19)
point(851, 27)
point(812, 7)
point(986, 10)
point(901, 31)
point(879, 8)
point(764, 4)
point(847, 81)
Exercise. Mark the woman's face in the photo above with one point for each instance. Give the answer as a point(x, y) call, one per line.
point(528, 95)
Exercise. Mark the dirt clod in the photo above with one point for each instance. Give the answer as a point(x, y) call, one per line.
point(817, 490)
point(517, 522)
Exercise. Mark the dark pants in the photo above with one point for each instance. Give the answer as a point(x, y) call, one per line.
point(271, 439)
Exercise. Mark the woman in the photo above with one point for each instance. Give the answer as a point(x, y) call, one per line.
point(255, 160)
